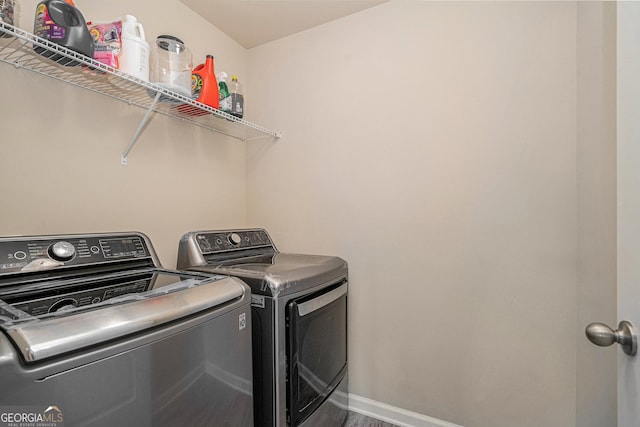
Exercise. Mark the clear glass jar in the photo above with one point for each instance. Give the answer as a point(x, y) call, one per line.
point(171, 64)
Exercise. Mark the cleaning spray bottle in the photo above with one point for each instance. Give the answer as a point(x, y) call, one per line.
point(60, 22)
point(223, 89)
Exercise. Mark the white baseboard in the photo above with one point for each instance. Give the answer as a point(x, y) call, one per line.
point(392, 414)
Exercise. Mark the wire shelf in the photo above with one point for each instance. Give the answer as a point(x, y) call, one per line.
point(17, 47)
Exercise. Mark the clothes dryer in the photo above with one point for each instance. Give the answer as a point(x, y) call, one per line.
point(299, 315)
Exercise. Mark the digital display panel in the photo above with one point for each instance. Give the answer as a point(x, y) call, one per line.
point(119, 248)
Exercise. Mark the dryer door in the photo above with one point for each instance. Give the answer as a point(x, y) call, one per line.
point(316, 349)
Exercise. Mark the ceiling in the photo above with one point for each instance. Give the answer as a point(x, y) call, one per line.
point(255, 22)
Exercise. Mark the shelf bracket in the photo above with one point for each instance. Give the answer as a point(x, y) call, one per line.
point(141, 126)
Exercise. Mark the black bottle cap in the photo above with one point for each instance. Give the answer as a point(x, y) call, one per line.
point(163, 44)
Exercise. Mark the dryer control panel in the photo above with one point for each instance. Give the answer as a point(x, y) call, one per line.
point(232, 240)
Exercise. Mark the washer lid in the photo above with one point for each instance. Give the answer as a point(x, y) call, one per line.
point(41, 337)
point(283, 273)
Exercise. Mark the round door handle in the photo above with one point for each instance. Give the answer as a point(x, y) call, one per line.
point(602, 335)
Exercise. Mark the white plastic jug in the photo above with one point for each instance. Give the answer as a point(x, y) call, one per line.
point(134, 54)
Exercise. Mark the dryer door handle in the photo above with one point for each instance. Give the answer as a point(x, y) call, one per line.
point(321, 301)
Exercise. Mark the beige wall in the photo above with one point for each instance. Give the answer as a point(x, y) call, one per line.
point(60, 168)
point(434, 146)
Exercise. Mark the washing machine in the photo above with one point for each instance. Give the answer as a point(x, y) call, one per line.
point(299, 323)
point(94, 332)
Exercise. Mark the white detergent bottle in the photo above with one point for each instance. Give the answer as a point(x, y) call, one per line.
point(134, 54)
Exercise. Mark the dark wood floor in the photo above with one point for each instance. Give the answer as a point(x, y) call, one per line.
point(359, 420)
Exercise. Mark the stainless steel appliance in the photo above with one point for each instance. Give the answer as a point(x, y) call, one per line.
point(299, 315)
point(92, 326)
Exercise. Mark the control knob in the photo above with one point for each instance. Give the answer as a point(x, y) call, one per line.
point(62, 251)
point(235, 239)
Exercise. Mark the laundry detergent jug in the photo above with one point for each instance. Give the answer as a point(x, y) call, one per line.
point(204, 88)
point(62, 23)
point(134, 56)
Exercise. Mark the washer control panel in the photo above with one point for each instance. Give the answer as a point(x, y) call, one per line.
point(33, 254)
point(224, 241)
